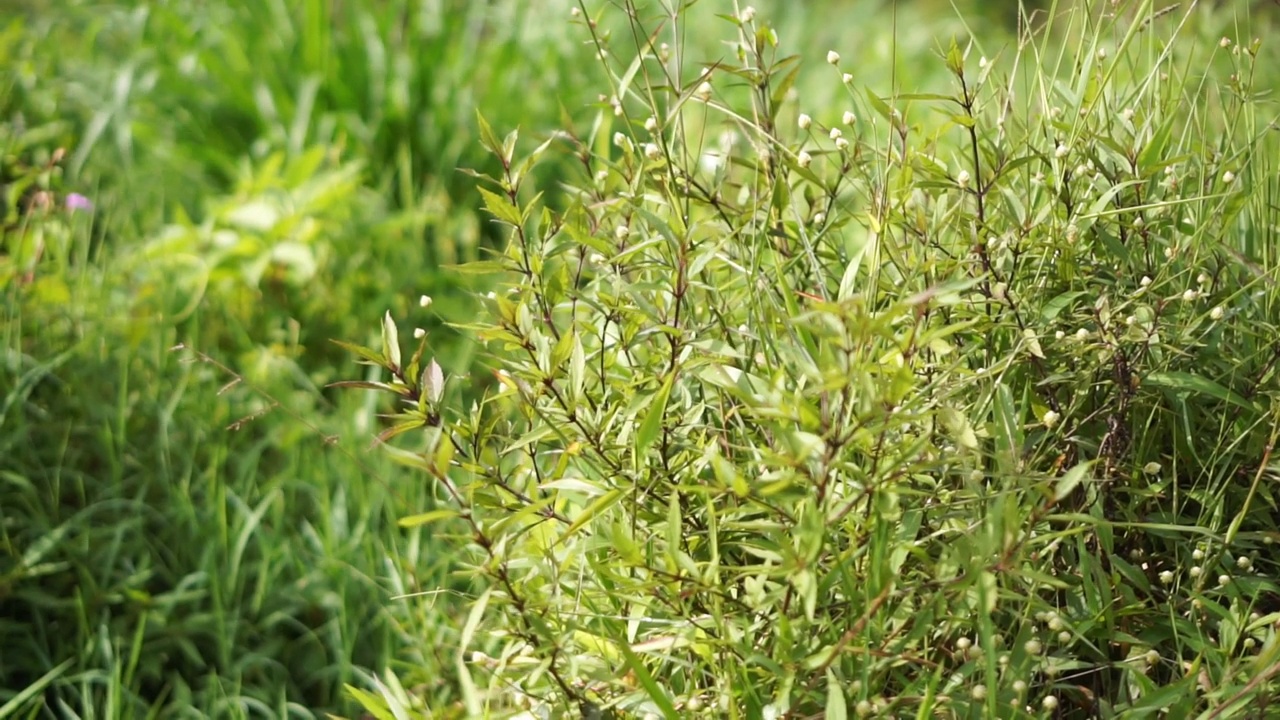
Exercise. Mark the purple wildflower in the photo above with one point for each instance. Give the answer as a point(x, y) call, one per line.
point(76, 201)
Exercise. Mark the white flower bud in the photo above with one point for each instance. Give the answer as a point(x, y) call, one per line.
point(1050, 419)
point(833, 57)
point(1216, 313)
point(1049, 703)
point(1228, 177)
point(651, 124)
point(621, 232)
point(424, 301)
point(1166, 577)
point(1224, 42)
point(704, 91)
point(419, 333)
point(849, 118)
point(804, 121)
point(963, 179)
point(748, 14)
point(1151, 468)
point(803, 159)
point(1060, 151)
point(835, 133)
point(652, 151)
point(842, 144)
point(846, 78)
point(819, 218)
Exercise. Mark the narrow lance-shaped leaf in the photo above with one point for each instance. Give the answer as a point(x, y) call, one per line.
point(391, 341)
point(653, 421)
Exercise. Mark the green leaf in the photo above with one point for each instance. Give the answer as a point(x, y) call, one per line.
point(1069, 481)
point(426, 518)
point(880, 106)
point(501, 208)
point(656, 693)
point(370, 703)
point(487, 138)
point(836, 708)
point(958, 426)
point(433, 382)
point(478, 267)
point(652, 423)
point(390, 341)
point(1191, 383)
point(371, 357)
point(1054, 307)
point(597, 506)
point(675, 524)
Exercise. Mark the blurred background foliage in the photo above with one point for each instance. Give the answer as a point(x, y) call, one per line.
point(265, 176)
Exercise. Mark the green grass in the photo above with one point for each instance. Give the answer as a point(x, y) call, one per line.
point(192, 524)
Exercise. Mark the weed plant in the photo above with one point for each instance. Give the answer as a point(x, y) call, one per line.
point(932, 401)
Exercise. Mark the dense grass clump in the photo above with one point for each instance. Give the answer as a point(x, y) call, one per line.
point(945, 398)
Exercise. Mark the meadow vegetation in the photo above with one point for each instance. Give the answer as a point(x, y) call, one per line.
point(897, 360)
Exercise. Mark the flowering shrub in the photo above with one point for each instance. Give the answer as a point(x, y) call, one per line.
point(933, 404)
